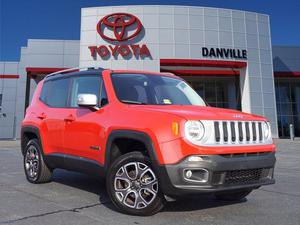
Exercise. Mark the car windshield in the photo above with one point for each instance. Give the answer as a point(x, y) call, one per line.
point(147, 89)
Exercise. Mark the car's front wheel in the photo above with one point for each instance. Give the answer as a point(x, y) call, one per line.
point(133, 185)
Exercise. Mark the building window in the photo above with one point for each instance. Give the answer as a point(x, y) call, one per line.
point(1, 95)
point(217, 91)
point(288, 105)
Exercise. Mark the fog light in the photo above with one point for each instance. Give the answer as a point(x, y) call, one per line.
point(199, 175)
point(195, 158)
point(188, 174)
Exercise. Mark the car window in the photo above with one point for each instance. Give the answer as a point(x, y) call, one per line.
point(55, 93)
point(88, 84)
point(44, 92)
point(154, 90)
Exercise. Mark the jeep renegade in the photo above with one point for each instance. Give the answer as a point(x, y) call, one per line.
point(149, 134)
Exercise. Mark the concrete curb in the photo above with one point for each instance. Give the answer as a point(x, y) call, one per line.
point(10, 144)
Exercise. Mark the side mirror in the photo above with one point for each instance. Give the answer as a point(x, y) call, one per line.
point(87, 100)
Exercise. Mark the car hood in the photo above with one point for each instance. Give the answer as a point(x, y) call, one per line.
point(190, 112)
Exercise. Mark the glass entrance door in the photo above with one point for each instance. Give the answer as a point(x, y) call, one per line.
point(223, 92)
point(288, 105)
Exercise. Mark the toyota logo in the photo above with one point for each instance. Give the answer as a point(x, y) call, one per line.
point(119, 27)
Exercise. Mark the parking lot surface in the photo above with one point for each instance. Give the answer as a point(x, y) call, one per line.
point(73, 198)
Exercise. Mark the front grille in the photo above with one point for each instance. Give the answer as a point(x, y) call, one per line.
point(243, 176)
point(237, 132)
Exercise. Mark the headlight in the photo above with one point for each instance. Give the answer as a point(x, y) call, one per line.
point(266, 130)
point(194, 130)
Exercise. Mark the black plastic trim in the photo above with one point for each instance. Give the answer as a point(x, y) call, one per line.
point(134, 135)
point(76, 73)
point(75, 163)
point(33, 130)
point(174, 183)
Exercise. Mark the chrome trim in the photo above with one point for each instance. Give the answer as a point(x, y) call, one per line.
point(239, 130)
point(196, 169)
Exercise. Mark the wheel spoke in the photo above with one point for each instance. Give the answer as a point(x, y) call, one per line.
point(121, 193)
point(152, 186)
point(148, 180)
point(147, 195)
point(121, 173)
point(35, 161)
point(140, 201)
point(130, 199)
point(35, 167)
point(141, 168)
point(31, 171)
point(131, 170)
point(121, 184)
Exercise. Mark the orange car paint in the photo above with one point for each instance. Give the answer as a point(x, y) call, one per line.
point(74, 130)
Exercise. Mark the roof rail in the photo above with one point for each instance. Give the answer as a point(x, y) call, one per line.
point(168, 73)
point(73, 70)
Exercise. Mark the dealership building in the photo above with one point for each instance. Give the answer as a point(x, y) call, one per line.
point(226, 55)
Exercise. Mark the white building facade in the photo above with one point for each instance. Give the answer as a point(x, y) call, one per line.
point(226, 55)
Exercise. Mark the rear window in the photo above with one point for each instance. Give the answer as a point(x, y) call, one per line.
point(55, 93)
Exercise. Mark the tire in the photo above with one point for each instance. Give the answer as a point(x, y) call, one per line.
point(134, 193)
point(235, 195)
point(36, 170)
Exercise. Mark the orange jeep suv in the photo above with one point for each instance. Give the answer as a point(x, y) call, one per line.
point(150, 135)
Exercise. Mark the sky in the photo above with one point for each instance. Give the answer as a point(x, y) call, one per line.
point(21, 20)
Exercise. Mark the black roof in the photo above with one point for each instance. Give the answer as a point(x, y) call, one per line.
point(90, 71)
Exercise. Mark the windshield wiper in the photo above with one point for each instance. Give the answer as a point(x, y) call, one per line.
point(134, 102)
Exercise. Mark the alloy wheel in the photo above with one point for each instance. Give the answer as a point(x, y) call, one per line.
point(32, 162)
point(135, 185)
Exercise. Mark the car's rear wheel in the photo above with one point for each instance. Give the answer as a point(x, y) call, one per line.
point(235, 195)
point(133, 185)
point(36, 170)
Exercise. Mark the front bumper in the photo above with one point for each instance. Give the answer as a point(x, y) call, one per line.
point(224, 173)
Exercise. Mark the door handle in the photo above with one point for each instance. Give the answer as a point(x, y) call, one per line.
point(69, 118)
point(41, 116)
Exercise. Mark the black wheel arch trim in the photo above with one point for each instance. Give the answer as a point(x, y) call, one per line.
point(30, 129)
point(130, 134)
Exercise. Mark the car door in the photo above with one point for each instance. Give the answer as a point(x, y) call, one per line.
point(84, 127)
point(52, 113)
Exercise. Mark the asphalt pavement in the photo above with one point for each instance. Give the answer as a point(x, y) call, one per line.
point(73, 198)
